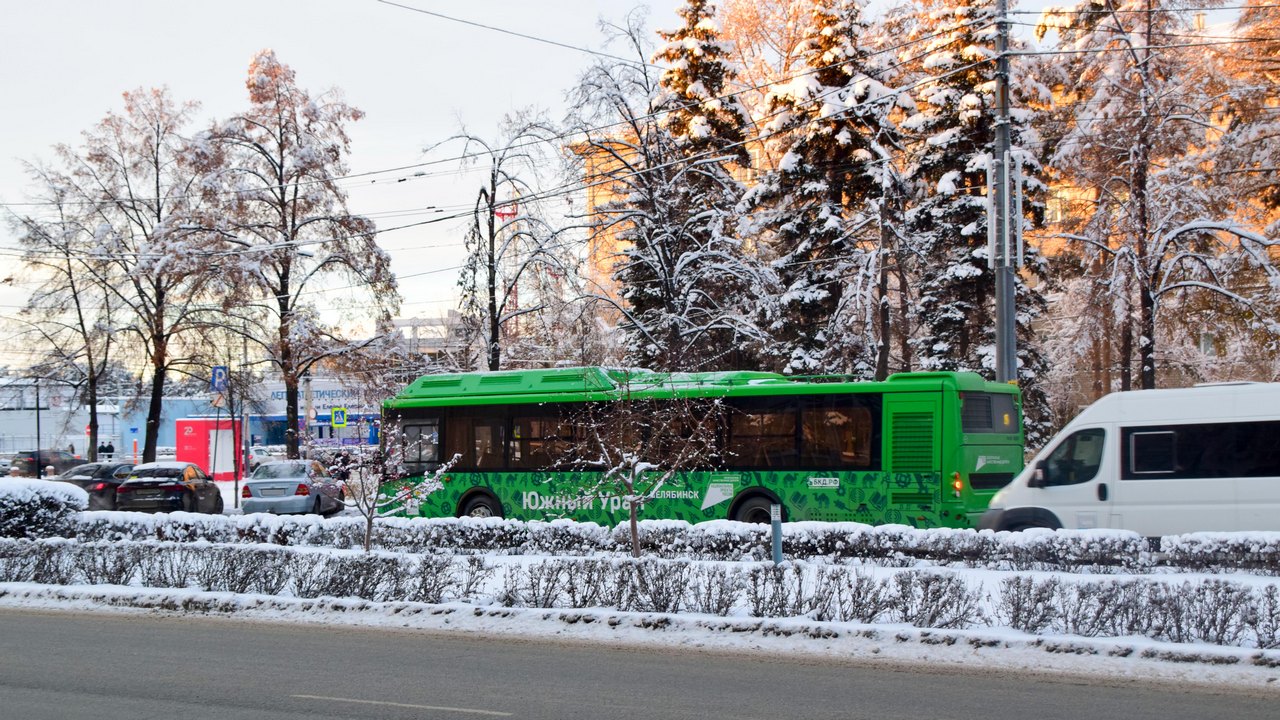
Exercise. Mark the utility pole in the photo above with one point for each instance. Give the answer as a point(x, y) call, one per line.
point(1004, 212)
point(39, 453)
point(245, 438)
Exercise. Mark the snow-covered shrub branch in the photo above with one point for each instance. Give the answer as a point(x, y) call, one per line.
point(39, 509)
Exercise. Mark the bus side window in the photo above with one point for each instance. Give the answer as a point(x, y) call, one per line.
point(477, 438)
point(420, 444)
point(836, 434)
point(1076, 459)
point(762, 434)
point(541, 441)
point(489, 442)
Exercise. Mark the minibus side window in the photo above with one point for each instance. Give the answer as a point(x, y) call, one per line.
point(1076, 459)
point(1153, 453)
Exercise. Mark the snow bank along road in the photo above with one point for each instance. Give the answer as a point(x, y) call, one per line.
point(69, 665)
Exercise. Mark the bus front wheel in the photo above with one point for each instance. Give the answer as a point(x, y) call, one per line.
point(754, 509)
point(481, 505)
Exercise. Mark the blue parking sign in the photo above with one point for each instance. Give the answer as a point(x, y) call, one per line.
point(218, 382)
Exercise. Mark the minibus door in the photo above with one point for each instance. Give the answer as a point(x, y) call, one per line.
point(1071, 481)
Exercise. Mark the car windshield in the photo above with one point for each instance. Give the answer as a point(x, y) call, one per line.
point(275, 471)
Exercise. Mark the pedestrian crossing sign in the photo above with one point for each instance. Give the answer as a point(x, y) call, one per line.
point(338, 417)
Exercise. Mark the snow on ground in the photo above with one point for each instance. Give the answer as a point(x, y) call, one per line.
point(993, 650)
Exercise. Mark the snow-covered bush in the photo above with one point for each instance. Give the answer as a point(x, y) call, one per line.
point(934, 599)
point(1026, 603)
point(1205, 610)
point(1092, 551)
point(1215, 552)
point(1096, 550)
point(38, 508)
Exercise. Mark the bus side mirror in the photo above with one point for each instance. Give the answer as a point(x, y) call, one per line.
point(1037, 479)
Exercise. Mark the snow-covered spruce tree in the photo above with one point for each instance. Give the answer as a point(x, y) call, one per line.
point(709, 125)
point(277, 166)
point(830, 126)
point(686, 288)
point(954, 131)
point(1143, 109)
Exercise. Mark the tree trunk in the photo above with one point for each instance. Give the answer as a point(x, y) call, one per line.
point(495, 322)
point(291, 440)
point(882, 291)
point(904, 324)
point(155, 409)
point(1126, 350)
point(1148, 267)
point(92, 452)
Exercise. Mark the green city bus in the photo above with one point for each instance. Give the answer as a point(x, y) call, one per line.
point(925, 449)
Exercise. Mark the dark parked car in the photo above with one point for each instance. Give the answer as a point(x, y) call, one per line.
point(100, 480)
point(168, 486)
point(61, 460)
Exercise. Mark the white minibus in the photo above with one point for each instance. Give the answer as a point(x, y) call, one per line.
point(1158, 462)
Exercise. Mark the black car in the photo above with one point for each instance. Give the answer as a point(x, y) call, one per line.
point(28, 465)
point(100, 480)
point(168, 486)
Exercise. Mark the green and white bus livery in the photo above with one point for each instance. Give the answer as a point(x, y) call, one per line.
point(920, 449)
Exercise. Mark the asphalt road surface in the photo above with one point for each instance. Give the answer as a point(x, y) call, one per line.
point(63, 665)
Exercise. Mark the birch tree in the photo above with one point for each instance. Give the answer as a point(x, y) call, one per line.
point(507, 240)
point(1143, 104)
point(278, 166)
point(141, 200)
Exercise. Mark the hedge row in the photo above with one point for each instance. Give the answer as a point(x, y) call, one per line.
point(1097, 551)
point(44, 509)
point(1209, 610)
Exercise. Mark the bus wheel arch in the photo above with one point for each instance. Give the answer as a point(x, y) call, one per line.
point(752, 506)
point(480, 502)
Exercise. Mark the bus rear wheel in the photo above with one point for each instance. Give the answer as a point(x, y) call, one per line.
point(481, 505)
point(753, 510)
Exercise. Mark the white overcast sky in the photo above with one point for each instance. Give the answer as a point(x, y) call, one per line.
point(64, 64)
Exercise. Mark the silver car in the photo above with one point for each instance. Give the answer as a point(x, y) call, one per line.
point(292, 486)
